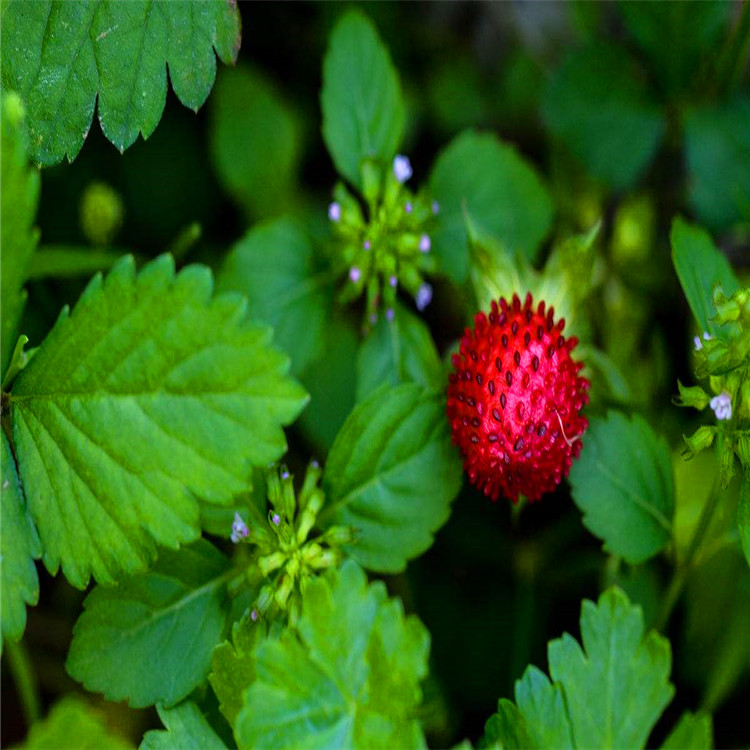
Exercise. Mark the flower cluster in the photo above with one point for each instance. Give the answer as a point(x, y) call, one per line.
point(724, 360)
point(285, 556)
point(385, 245)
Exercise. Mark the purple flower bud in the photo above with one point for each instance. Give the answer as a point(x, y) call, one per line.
point(424, 243)
point(435, 208)
point(354, 274)
point(366, 245)
point(239, 529)
point(334, 212)
point(389, 313)
point(722, 405)
point(276, 519)
point(697, 342)
point(254, 615)
point(408, 207)
point(423, 296)
point(285, 475)
point(393, 281)
point(373, 318)
point(402, 168)
point(314, 464)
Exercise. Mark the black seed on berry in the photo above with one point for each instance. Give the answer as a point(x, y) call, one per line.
point(492, 437)
point(509, 378)
point(504, 339)
point(514, 327)
point(539, 333)
point(517, 358)
point(498, 364)
point(535, 363)
point(527, 338)
point(470, 401)
point(503, 400)
point(474, 437)
point(518, 445)
point(475, 422)
point(541, 430)
point(496, 415)
point(479, 379)
point(491, 387)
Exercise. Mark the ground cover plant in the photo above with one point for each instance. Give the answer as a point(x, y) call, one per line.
point(375, 376)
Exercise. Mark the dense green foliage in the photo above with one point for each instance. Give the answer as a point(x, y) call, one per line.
point(225, 347)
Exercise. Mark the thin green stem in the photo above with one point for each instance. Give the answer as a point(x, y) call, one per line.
point(735, 57)
point(682, 571)
point(25, 680)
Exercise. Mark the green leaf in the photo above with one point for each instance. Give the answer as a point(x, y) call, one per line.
point(507, 728)
point(274, 265)
point(148, 395)
point(392, 474)
point(481, 177)
point(700, 266)
point(149, 640)
point(255, 141)
point(692, 732)
point(72, 718)
point(596, 104)
point(363, 112)
point(617, 685)
point(543, 706)
point(19, 545)
point(743, 515)
point(347, 676)
point(62, 56)
point(623, 483)
point(233, 666)
point(187, 729)
point(693, 29)
point(398, 351)
point(63, 261)
point(717, 146)
point(19, 196)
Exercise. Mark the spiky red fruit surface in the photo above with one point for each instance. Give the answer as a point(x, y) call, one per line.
point(514, 401)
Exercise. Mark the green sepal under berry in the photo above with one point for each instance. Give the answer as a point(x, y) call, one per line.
point(168, 392)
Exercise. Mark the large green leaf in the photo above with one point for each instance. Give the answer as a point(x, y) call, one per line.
point(149, 640)
point(397, 351)
point(147, 395)
point(274, 266)
point(598, 106)
point(700, 266)
point(623, 484)
point(70, 720)
point(392, 474)
point(19, 544)
point(717, 146)
point(608, 694)
point(481, 177)
point(61, 56)
point(255, 141)
point(19, 195)
point(347, 676)
point(363, 112)
point(186, 729)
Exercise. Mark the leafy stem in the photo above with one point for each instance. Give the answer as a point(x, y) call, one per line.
point(25, 680)
point(683, 569)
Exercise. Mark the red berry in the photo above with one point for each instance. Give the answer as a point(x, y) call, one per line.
point(514, 401)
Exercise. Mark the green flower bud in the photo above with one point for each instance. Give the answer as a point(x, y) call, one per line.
point(701, 439)
point(269, 563)
point(726, 467)
point(693, 396)
point(102, 213)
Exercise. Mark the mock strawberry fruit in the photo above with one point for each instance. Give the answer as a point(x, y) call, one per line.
point(514, 401)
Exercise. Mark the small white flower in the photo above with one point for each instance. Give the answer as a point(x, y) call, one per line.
point(239, 529)
point(698, 343)
point(402, 168)
point(334, 212)
point(722, 405)
point(423, 296)
point(354, 274)
point(276, 519)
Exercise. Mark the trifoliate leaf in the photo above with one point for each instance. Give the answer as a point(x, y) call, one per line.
point(597, 105)
point(700, 266)
point(255, 141)
point(623, 484)
point(347, 676)
point(147, 395)
point(617, 685)
point(363, 111)
point(61, 56)
point(274, 266)
point(186, 729)
point(73, 720)
point(717, 146)
point(478, 176)
point(693, 732)
point(392, 474)
point(233, 666)
point(149, 640)
point(19, 196)
point(398, 351)
point(19, 544)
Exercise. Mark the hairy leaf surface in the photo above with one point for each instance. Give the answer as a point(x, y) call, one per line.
point(148, 395)
point(392, 474)
point(149, 640)
point(61, 55)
